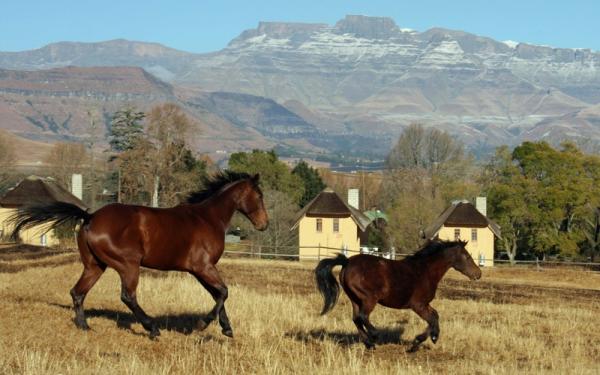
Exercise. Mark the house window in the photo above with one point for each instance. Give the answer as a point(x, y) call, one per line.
point(456, 234)
point(474, 234)
point(319, 225)
point(336, 225)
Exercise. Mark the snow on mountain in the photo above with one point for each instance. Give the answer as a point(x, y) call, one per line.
point(371, 77)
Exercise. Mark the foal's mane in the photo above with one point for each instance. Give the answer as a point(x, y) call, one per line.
point(432, 247)
point(212, 184)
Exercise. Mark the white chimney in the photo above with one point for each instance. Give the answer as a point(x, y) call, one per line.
point(77, 185)
point(353, 198)
point(481, 205)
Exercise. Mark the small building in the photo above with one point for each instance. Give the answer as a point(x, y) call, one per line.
point(34, 190)
point(462, 220)
point(328, 225)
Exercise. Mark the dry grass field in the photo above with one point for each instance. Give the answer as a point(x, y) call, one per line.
point(514, 320)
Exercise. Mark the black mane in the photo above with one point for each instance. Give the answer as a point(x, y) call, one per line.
point(432, 247)
point(212, 184)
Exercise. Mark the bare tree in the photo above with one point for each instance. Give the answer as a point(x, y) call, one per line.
point(7, 160)
point(418, 147)
point(168, 128)
point(426, 169)
point(7, 150)
point(64, 159)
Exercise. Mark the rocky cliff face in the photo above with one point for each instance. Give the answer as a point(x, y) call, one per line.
point(367, 77)
point(55, 105)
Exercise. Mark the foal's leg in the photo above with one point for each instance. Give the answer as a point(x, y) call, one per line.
point(211, 280)
point(361, 320)
point(129, 282)
point(433, 329)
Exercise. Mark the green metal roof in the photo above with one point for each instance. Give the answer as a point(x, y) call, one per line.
point(376, 214)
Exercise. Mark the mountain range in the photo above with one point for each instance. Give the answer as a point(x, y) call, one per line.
point(351, 87)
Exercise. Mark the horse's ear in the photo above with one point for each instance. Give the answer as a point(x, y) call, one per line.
point(255, 178)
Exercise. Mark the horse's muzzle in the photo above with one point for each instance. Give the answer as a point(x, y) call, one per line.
point(263, 227)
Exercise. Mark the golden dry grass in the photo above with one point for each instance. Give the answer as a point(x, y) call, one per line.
point(530, 322)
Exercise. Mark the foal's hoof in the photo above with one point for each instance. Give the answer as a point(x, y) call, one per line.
point(227, 332)
point(82, 325)
point(154, 333)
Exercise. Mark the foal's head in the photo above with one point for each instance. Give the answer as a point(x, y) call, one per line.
point(462, 261)
point(251, 203)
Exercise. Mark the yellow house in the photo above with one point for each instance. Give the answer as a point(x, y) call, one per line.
point(464, 221)
point(327, 225)
point(33, 190)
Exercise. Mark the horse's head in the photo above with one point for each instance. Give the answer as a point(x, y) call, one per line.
point(251, 204)
point(463, 262)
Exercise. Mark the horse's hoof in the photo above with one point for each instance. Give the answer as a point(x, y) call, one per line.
point(434, 338)
point(201, 325)
point(412, 349)
point(227, 332)
point(369, 345)
point(82, 325)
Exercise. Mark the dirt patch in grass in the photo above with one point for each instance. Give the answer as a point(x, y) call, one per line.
point(16, 258)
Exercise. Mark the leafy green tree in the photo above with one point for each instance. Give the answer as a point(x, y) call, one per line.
point(544, 198)
point(313, 184)
point(563, 188)
point(511, 200)
point(282, 192)
point(274, 174)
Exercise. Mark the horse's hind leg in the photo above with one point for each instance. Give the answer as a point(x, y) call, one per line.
point(209, 277)
point(433, 329)
point(92, 270)
point(360, 318)
point(129, 282)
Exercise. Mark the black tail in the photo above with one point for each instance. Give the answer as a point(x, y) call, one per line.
point(58, 213)
point(328, 285)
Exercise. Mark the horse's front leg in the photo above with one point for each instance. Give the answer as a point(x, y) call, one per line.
point(431, 316)
point(209, 277)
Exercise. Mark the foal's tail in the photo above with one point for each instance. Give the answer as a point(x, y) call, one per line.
point(58, 213)
point(328, 285)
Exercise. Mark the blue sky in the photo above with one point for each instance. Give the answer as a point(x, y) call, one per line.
point(203, 26)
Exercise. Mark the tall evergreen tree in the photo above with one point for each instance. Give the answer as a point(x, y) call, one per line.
point(313, 184)
point(126, 129)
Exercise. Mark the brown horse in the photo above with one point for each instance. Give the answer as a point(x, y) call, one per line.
point(189, 237)
point(409, 283)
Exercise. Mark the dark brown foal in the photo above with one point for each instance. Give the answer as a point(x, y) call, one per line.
point(409, 283)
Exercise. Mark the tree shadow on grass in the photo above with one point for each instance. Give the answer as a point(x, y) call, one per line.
point(183, 323)
point(345, 339)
